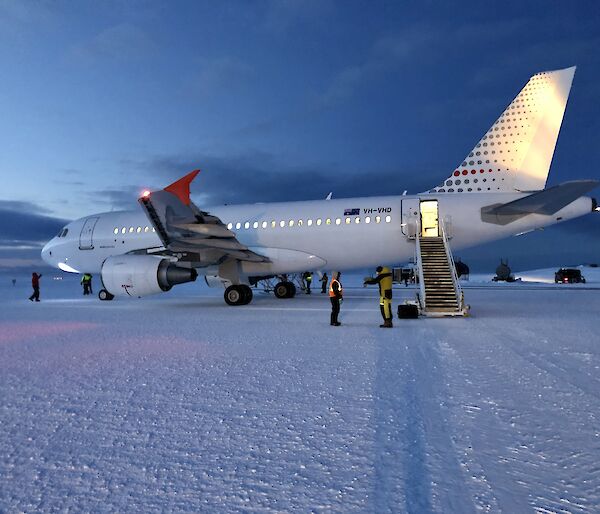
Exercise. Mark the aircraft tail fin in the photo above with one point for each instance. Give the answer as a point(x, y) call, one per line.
point(516, 152)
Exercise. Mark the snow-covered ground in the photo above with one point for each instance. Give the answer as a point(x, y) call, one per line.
point(180, 403)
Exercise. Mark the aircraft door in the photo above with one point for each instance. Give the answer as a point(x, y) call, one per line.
point(87, 231)
point(410, 216)
point(429, 218)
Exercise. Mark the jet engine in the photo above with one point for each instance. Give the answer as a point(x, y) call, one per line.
point(142, 275)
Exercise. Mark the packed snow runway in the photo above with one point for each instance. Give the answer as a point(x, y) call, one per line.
point(180, 403)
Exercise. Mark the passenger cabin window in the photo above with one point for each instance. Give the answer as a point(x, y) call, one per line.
point(388, 218)
point(116, 231)
point(368, 219)
point(319, 221)
point(377, 219)
point(264, 224)
point(309, 222)
point(255, 224)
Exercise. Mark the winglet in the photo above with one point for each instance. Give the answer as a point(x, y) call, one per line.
point(181, 188)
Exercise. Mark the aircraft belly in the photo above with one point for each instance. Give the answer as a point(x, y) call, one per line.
point(282, 261)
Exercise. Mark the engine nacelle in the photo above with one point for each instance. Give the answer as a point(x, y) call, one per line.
point(142, 275)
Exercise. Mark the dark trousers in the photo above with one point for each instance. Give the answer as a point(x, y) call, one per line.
point(36, 294)
point(307, 287)
point(86, 288)
point(335, 309)
point(323, 287)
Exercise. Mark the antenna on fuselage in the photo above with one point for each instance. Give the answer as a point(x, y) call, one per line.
point(328, 197)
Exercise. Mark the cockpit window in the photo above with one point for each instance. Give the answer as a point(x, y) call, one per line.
point(63, 232)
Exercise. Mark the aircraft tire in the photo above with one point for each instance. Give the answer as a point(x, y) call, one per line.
point(104, 295)
point(246, 294)
point(234, 295)
point(291, 290)
point(282, 290)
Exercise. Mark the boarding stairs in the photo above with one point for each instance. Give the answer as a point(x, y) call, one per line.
point(440, 293)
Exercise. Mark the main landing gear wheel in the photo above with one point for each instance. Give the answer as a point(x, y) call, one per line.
point(247, 294)
point(238, 295)
point(104, 295)
point(285, 290)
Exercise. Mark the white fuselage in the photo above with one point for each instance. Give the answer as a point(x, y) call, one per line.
point(337, 234)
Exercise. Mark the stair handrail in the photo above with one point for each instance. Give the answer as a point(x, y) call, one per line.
point(419, 262)
point(450, 258)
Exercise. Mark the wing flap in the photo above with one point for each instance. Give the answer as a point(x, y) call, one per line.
point(183, 227)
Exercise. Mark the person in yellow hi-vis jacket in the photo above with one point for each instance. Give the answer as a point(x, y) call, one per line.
point(384, 280)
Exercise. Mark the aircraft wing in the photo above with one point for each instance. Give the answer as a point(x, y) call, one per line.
point(184, 228)
point(547, 201)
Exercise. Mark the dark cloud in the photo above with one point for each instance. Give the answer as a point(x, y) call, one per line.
point(23, 224)
point(19, 261)
point(124, 198)
point(257, 176)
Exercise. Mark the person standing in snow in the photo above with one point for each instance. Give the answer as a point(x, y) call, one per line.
point(35, 283)
point(324, 280)
point(336, 296)
point(308, 280)
point(384, 281)
point(86, 282)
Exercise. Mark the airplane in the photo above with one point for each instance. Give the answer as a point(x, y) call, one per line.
point(497, 191)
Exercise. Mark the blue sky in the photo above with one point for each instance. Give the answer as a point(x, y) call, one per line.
point(277, 100)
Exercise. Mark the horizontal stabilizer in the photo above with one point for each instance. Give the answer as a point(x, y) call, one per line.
point(547, 202)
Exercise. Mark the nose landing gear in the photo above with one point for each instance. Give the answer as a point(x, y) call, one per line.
point(104, 295)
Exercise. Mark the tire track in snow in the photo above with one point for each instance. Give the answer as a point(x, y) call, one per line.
point(416, 466)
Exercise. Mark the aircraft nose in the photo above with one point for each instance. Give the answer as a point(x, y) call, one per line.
point(47, 253)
